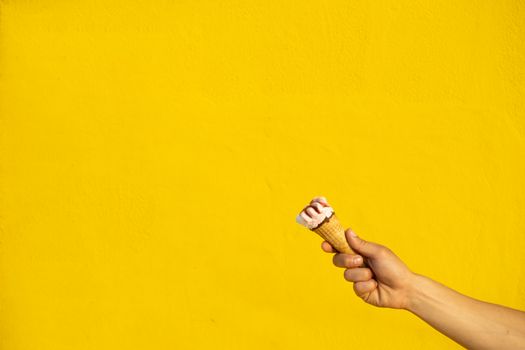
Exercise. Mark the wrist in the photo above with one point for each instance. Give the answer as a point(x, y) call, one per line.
point(416, 292)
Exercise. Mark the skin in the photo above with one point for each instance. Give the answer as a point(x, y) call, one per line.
point(381, 279)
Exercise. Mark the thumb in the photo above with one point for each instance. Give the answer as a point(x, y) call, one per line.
point(365, 248)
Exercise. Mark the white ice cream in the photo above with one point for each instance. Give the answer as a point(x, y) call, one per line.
point(314, 214)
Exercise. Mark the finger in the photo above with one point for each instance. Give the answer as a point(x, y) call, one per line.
point(327, 247)
point(368, 249)
point(311, 212)
point(361, 274)
point(347, 260)
point(363, 288)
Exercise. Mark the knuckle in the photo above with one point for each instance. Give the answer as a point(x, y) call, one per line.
point(349, 261)
point(383, 252)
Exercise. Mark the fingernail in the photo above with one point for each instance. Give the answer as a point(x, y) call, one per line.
point(352, 233)
point(358, 260)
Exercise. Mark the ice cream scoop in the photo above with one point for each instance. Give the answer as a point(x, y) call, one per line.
point(320, 217)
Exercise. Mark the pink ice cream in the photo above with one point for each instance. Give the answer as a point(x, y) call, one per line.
point(315, 213)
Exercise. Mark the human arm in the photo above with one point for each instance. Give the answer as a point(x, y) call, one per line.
point(385, 281)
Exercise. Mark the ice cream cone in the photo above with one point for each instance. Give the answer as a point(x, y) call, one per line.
point(333, 232)
point(319, 217)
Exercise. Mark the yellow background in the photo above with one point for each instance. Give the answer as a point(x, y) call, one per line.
point(154, 155)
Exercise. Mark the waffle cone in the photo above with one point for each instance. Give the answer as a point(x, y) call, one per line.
point(333, 232)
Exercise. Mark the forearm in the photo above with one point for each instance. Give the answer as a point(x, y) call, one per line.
point(470, 322)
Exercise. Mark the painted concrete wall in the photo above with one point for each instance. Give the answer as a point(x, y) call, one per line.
point(154, 154)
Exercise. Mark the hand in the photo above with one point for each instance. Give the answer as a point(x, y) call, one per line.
point(385, 281)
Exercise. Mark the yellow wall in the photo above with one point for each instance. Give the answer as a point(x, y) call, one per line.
point(154, 154)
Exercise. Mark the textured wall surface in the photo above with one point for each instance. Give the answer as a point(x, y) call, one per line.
point(154, 154)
